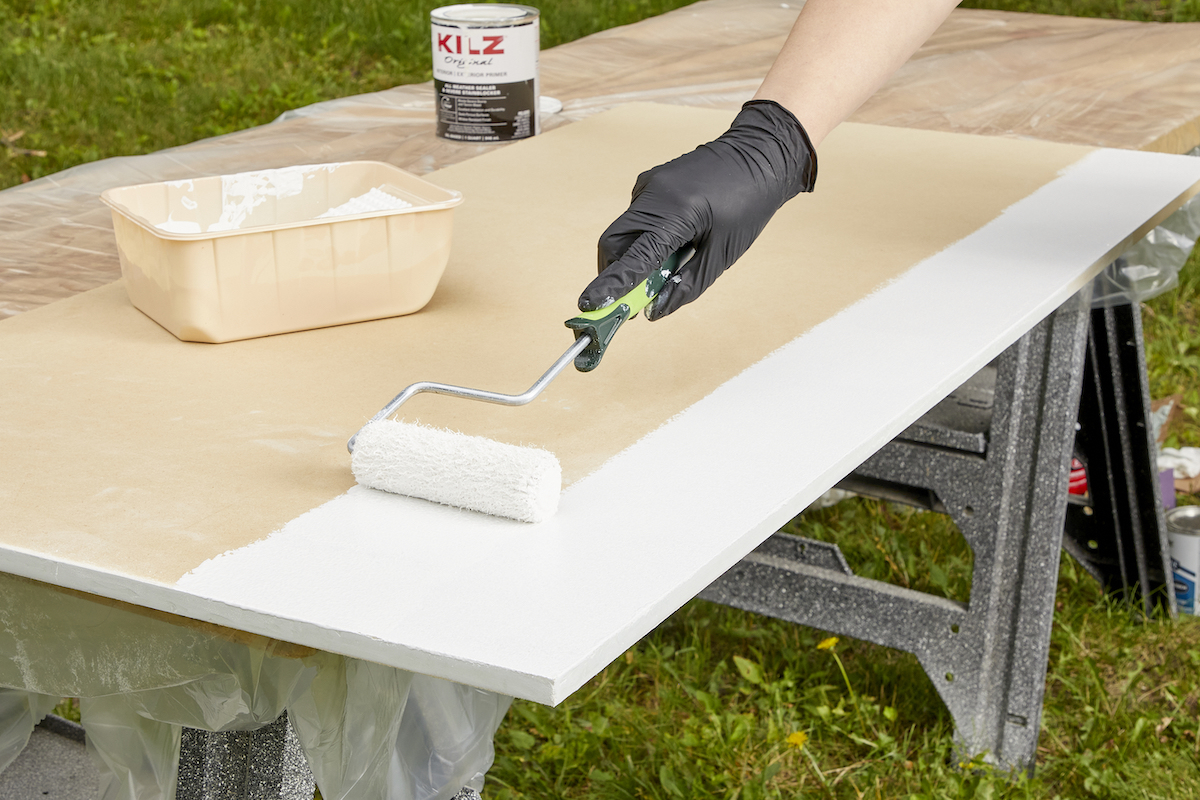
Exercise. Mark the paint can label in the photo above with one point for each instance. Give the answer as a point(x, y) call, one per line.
point(1183, 537)
point(485, 71)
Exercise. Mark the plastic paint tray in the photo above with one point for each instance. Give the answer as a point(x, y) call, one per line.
point(236, 256)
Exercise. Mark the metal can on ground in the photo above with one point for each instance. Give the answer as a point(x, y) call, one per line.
point(485, 71)
point(1183, 534)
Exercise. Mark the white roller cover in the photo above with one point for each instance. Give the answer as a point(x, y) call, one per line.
point(472, 472)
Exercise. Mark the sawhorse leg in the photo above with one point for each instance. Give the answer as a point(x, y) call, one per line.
point(1119, 534)
point(986, 658)
point(263, 764)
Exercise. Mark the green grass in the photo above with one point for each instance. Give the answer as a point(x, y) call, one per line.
point(88, 79)
point(705, 705)
point(1172, 334)
point(1142, 10)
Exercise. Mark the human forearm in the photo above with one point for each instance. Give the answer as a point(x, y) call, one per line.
point(840, 52)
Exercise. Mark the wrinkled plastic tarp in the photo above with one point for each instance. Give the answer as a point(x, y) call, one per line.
point(19, 712)
point(368, 732)
point(1151, 267)
point(1086, 81)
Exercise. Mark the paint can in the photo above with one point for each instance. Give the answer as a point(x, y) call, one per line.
point(485, 71)
point(1183, 535)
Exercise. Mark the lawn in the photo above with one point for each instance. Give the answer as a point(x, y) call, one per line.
point(715, 702)
point(86, 79)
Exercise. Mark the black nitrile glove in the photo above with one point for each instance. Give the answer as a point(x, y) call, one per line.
point(717, 198)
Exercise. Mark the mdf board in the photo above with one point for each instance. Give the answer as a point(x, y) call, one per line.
point(212, 481)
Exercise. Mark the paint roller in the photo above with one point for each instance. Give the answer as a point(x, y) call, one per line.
point(476, 473)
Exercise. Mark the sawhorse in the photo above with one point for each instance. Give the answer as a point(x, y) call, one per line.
point(1000, 469)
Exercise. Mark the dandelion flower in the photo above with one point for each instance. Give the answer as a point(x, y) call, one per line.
point(799, 738)
point(827, 644)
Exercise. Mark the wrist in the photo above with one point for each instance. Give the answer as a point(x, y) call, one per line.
point(795, 149)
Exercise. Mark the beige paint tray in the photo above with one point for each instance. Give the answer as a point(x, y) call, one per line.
point(258, 253)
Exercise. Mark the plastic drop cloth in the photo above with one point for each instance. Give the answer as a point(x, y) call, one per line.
point(368, 731)
point(1085, 81)
point(1151, 266)
point(19, 713)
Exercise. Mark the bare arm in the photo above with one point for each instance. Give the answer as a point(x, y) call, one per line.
point(841, 51)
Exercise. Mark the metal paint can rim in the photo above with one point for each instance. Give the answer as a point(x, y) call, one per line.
point(484, 15)
point(1184, 520)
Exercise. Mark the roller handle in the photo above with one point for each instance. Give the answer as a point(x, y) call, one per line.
point(601, 325)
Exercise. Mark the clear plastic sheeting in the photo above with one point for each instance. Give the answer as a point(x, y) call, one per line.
point(1151, 266)
point(19, 713)
point(1085, 81)
point(445, 728)
point(137, 757)
point(369, 732)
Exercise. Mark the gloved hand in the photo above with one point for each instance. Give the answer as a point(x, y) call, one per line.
point(717, 198)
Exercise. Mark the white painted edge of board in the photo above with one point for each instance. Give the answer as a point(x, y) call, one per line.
point(775, 456)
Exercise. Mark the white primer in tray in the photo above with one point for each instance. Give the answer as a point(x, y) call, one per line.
point(258, 253)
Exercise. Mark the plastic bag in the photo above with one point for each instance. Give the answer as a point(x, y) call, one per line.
point(1151, 267)
point(368, 731)
point(19, 713)
point(445, 737)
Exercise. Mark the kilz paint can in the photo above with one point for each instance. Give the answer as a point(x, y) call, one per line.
point(1183, 534)
point(485, 71)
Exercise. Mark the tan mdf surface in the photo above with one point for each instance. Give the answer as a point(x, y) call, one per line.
point(131, 452)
